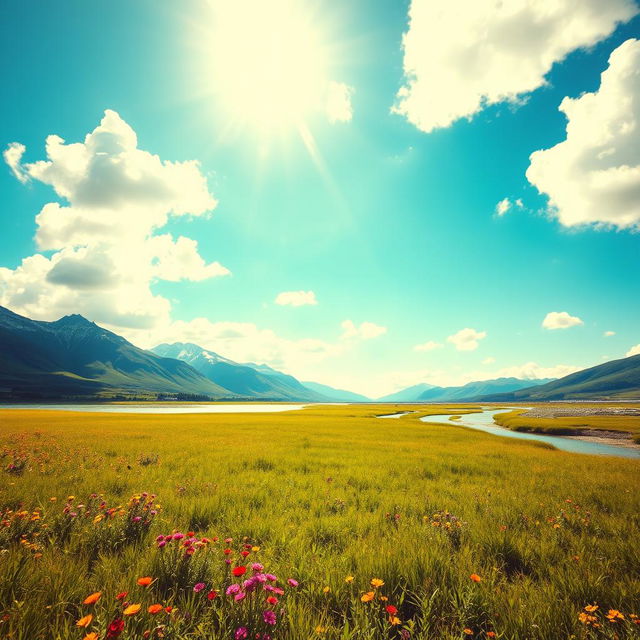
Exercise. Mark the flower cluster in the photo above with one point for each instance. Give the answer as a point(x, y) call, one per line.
point(594, 617)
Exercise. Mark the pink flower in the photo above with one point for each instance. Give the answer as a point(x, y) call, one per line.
point(271, 577)
point(233, 589)
point(199, 587)
point(178, 536)
point(240, 596)
point(257, 567)
point(241, 633)
point(159, 538)
point(269, 617)
point(161, 544)
point(292, 582)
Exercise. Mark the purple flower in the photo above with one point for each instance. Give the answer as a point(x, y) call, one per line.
point(269, 617)
point(292, 582)
point(232, 589)
point(241, 633)
point(199, 587)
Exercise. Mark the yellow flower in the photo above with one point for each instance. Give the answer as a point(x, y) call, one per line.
point(326, 590)
point(349, 579)
point(255, 549)
point(85, 621)
point(131, 610)
point(376, 582)
point(368, 597)
point(591, 608)
point(321, 629)
point(394, 620)
point(93, 598)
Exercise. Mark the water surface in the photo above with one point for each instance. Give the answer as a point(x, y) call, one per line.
point(484, 422)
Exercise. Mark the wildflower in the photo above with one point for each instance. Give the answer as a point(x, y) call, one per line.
point(131, 610)
point(122, 595)
point(271, 577)
point(93, 598)
point(212, 594)
point(255, 549)
point(326, 590)
point(349, 579)
point(491, 634)
point(227, 552)
point(155, 608)
point(241, 633)
point(239, 571)
point(115, 628)
point(292, 582)
point(591, 608)
point(144, 582)
point(161, 544)
point(614, 615)
point(257, 567)
point(394, 620)
point(475, 577)
point(232, 589)
point(244, 554)
point(269, 617)
point(91, 636)
point(272, 600)
point(85, 621)
point(468, 631)
point(391, 610)
point(320, 629)
point(368, 597)
point(199, 587)
point(241, 595)
point(376, 582)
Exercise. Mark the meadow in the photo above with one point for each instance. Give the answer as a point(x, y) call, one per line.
point(326, 523)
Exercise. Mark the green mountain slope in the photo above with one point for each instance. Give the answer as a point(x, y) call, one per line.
point(614, 380)
point(75, 357)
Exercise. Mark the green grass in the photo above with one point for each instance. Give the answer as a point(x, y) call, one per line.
point(326, 493)
point(569, 425)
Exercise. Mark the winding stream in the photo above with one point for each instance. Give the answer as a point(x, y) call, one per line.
point(484, 422)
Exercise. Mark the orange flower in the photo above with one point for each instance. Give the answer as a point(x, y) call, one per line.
point(591, 608)
point(85, 621)
point(93, 598)
point(368, 597)
point(91, 636)
point(155, 608)
point(376, 582)
point(468, 632)
point(491, 634)
point(144, 582)
point(475, 577)
point(131, 610)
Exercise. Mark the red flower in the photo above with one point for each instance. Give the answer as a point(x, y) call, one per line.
point(239, 571)
point(272, 600)
point(391, 610)
point(244, 554)
point(122, 595)
point(115, 628)
point(228, 551)
point(191, 533)
point(212, 594)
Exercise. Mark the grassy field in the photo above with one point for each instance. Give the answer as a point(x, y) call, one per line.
point(472, 535)
point(573, 425)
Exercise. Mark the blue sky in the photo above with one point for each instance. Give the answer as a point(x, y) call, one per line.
point(388, 218)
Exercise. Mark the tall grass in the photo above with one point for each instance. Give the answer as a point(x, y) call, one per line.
point(320, 496)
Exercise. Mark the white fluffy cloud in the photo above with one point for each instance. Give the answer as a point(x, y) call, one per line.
point(505, 205)
point(560, 320)
point(296, 298)
point(462, 55)
point(608, 334)
point(593, 176)
point(106, 252)
point(363, 331)
point(339, 107)
point(467, 339)
point(634, 351)
point(430, 345)
point(13, 157)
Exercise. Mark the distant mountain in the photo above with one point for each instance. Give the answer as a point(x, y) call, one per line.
point(338, 395)
point(245, 380)
point(469, 391)
point(614, 380)
point(410, 394)
point(75, 357)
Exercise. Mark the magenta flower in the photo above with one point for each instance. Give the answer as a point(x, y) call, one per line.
point(161, 544)
point(232, 589)
point(178, 536)
point(240, 596)
point(199, 587)
point(271, 577)
point(257, 567)
point(292, 582)
point(241, 633)
point(269, 617)
point(159, 538)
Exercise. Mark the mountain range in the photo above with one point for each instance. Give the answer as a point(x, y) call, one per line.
point(75, 358)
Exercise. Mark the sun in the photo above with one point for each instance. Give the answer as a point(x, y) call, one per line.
point(266, 63)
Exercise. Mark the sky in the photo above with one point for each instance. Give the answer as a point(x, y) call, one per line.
point(366, 195)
